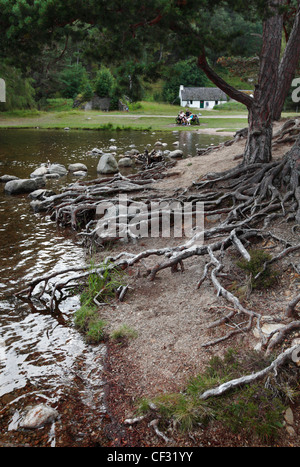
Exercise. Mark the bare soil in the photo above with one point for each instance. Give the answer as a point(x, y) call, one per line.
point(171, 317)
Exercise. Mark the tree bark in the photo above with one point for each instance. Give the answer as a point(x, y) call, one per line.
point(259, 141)
point(288, 65)
point(261, 106)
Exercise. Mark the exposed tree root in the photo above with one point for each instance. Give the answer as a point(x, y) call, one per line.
point(248, 198)
point(275, 365)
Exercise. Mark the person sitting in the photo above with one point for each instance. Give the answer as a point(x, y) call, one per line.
point(189, 117)
point(182, 118)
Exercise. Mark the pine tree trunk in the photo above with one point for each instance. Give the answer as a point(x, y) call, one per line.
point(259, 142)
point(288, 66)
point(261, 106)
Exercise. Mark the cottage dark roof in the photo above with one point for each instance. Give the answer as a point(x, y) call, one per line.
point(203, 94)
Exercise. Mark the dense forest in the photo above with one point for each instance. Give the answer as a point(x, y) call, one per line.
point(76, 61)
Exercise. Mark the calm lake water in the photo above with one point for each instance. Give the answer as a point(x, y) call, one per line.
point(42, 356)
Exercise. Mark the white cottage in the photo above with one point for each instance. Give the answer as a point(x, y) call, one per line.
point(201, 98)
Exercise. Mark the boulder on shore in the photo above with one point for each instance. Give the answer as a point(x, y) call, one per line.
point(17, 187)
point(177, 154)
point(107, 164)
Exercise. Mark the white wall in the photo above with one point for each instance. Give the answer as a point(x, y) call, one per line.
point(208, 105)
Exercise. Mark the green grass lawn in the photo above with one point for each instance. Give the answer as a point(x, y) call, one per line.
point(141, 116)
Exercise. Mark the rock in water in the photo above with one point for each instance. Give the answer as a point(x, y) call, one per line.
point(107, 164)
point(58, 169)
point(8, 178)
point(38, 416)
point(16, 187)
point(39, 172)
point(77, 167)
point(125, 162)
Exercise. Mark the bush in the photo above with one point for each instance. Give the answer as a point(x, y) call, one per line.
point(104, 82)
point(87, 91)
point(71, 79)
point(258, 265)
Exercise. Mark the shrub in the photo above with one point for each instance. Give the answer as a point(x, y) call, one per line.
point(258, 265)
point(71, 80)
point(104, 82)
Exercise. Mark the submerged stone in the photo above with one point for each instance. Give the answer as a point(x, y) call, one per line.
point(38, 416)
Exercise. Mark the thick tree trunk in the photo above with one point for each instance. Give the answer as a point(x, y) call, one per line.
point(288, 65)
point(293, 165)
point(261, 106)
point(259, 142)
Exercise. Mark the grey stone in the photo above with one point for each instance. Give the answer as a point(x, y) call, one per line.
point(8, 178)
point(98, 103)
point(41, 194)
point(37, 416)
point(107, 164)
point(79, 173)
point(58, 169)
point(16, 187)
point(96, 151)
point(176, 154)
point(133, 152)
point(76, 167)
point(50, 176)
point(125, 162)
point(289, 416)
point(39, 172)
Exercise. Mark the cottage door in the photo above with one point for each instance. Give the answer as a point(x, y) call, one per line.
point(201, 104)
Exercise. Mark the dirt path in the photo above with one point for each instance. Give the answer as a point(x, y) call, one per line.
point(171, 318)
